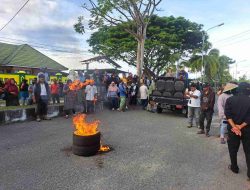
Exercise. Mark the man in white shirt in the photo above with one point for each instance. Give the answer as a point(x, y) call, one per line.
point(144, 95)
point(193, 106)
point(91, 93)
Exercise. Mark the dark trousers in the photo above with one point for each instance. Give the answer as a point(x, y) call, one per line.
point(42, 108)
point(133, 100)
point(208, 115)
point(12, 100)
point(90, 106)
point(55, 98)
point(234, 144)
point(144, 103)
point(114, 102)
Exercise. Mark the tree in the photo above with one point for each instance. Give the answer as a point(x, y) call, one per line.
point(244, 79)
point(168, 39)
point(133, 15)
point(216, 66)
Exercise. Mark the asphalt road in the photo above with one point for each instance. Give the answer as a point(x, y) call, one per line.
point(151, 151)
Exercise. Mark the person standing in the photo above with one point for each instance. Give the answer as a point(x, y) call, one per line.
point(91, 95)
point(41, 97)
point(54, 88)
point(123, 94)
point(133, 91)
point(24, 94)
point(11, 90)
point(31, 91)
point(237, 111)
point(207, 108)
point(61, 85)
point(69, 99)
point(227, 92)
point(144, 95)
point(193, 106)
point(113, 95)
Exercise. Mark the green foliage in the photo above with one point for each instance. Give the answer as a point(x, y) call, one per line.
point(244, 79)
point(216, 66)
point(168, 39)
point(79, 26)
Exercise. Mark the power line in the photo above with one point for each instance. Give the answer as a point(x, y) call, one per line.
point(234, 36)
point(43, 46)
point(14, 15)
point(225, 45)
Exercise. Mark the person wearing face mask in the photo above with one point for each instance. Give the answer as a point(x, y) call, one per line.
point(113, 95)
point(41, 97)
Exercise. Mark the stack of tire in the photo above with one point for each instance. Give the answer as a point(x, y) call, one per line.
point(179, 87)
point(169, 88)
point(160, 87)
point(86, 145)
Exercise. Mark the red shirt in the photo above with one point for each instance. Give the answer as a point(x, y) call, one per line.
point(54, 88)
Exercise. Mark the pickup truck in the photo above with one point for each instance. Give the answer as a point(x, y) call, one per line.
point(169, 94)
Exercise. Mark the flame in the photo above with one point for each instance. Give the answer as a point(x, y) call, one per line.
point(83, 128)
point(104, 148)
point(77, 84)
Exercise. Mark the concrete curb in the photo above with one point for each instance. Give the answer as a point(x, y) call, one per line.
point(25, 114)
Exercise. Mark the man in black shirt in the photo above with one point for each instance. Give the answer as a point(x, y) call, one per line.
point(237, 111)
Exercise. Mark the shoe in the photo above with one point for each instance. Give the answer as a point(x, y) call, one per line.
point(189, 126)
point(46, 118)
point(222, 141)
point(113, 109)
point(207, 134)
point(236, 171)
point(66, 116)
point(201, 132)
point(38, 119)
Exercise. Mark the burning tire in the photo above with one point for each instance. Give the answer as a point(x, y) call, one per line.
point(91, 140)
point(86, 145)
point(85, 150)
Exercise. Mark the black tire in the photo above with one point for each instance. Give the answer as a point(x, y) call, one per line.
point(169, 86)
point(167, 94)
point(178, 95)
point(179, 86)
point(159, 110)
point(156, 93)
point(85, 150)
point(91, 140)
point(160, 85)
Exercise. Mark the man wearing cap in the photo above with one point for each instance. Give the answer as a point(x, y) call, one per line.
point(237, 111)
point(228, 90)
point(193, 106)
point(207, 108)
point(41, 97)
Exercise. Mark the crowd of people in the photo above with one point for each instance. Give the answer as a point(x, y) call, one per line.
point(16, 95)
point(126, 91)
point(234, 113)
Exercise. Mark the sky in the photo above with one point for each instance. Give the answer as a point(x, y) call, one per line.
point(47, 25)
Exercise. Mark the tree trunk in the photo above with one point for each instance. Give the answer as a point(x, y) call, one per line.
point(140, 50)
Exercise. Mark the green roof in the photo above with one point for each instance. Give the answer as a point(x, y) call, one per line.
point(26, 56)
